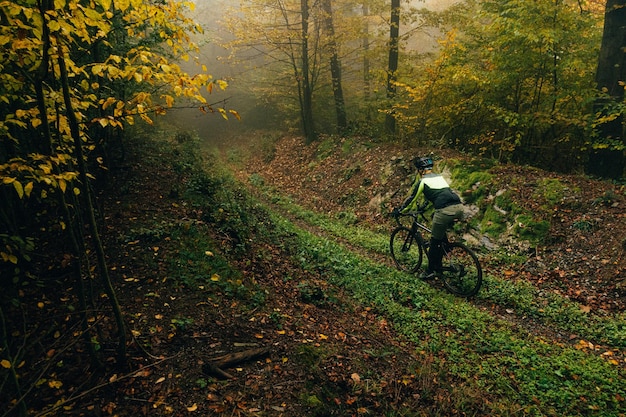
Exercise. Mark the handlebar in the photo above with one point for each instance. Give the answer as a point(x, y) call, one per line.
point(414, 214)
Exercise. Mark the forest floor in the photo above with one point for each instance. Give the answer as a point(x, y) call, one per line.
point(307, 352)
point(586, 264)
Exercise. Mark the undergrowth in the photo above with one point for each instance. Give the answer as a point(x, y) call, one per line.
point(520, 374)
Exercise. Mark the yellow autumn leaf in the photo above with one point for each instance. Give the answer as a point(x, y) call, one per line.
point(62, 185)
point(55, 384)
point(92, 14)
point(5, 364)
point(122, 4)
point(215, 278)
point(47, 169)
point(97, 69)
point(108, 102)
point(28, 189)
point(192, 408)
point(235, 113)
point(18, 188)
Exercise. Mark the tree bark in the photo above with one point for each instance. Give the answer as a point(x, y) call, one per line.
point(611, 72)
point(307, 91)
point(366, 47)
point(335, 67)
point(75, 133)
point(394, 40)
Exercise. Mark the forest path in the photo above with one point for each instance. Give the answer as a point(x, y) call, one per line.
point(349, 181)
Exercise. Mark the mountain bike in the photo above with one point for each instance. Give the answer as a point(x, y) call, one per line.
point(461, 272)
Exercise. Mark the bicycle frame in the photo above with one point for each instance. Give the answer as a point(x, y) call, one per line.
point(416, 226)
point(460, 271)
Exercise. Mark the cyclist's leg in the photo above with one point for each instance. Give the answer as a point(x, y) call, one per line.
point(442, 219)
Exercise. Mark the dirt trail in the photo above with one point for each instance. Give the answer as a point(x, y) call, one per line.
point(587, 266)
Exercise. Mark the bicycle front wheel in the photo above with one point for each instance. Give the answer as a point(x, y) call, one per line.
point(406, 251)
point(461, 272)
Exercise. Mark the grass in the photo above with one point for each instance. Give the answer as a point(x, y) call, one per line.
point(487, 357)
point(548, 308)
point(550, 379)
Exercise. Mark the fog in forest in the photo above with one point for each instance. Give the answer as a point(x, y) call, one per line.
point(211, 127)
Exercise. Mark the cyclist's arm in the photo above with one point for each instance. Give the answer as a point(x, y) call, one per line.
point(411, 203)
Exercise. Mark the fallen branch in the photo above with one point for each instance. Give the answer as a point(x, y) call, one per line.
point(215, 365)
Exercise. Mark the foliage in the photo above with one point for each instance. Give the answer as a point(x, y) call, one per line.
point(118, 69)
point(429, 324)
point(265, 36)
point(513, 83)
point(72, 75)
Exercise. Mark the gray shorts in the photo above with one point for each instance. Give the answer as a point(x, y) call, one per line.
point(443, 218)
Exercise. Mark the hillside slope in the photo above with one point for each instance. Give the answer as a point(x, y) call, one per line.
point(204, 271)
point(583, 256)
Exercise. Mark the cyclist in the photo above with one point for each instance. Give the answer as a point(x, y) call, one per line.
point(447, 203)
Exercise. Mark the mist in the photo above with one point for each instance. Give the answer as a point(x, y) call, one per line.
point(212, 128)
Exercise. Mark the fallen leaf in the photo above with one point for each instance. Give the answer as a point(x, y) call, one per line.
point(356, 378)
point(192, 408)
point(55, 384)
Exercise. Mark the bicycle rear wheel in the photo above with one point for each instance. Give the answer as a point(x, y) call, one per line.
point(461, 272)
point(406, 251)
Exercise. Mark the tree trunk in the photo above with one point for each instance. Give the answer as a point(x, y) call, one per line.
point(335, 67)
point(100, 255)
point(307, 91)
point(365, 43)
point(611, 72)
point(394, 35)
point(41, 75)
